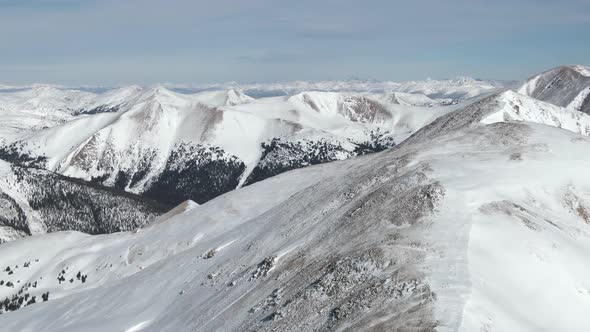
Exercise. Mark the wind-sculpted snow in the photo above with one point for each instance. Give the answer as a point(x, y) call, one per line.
point(458, 232)
point(566, 86)
point(479, 221)
point(36, 201)
point(325, 279)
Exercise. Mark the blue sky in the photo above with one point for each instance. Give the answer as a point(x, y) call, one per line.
point(107, 42)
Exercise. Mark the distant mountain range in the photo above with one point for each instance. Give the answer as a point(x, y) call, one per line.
point(457, 88)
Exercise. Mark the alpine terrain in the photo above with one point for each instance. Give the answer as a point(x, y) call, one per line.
point(169, 146)
point(399, 210)
point(566, 86)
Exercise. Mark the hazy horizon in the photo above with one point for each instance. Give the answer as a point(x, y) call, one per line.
point(213, 85)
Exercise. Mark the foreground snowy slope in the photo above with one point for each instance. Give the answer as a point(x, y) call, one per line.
point(458, 228)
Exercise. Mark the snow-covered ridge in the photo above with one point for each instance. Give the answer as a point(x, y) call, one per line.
point(26, 109)
point(565, 86)
point(529, 86)
point(147, 137)
point(363, 243)
point(129, 137)
point(139, 137)
point(45, 99)
point(584, 71)
point(54, 101)
point(578, 103)
point(516, 107)
point(451, 230)
point(413, 99)
point(505, 106)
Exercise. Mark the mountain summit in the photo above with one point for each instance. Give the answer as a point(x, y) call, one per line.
point(565, 86)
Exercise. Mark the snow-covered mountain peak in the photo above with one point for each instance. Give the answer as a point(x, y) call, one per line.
point(513, 106)
point(230, 97)
point(181, 208)
point(317, 101)
point(583, 70)
point(46, 99)
point(579, 69)
point(124, 90)
point(162, 97)
point(465, 80)
point(565, 86)
point(342, 106)
point(49, 92)
point(235, 97)
point(412, 99)
point(120, 95)
point(506, 106)
point(464, 88)
point(160, 91)
point(46, 90)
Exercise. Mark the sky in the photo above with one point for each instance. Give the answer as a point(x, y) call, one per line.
point(107, 42)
